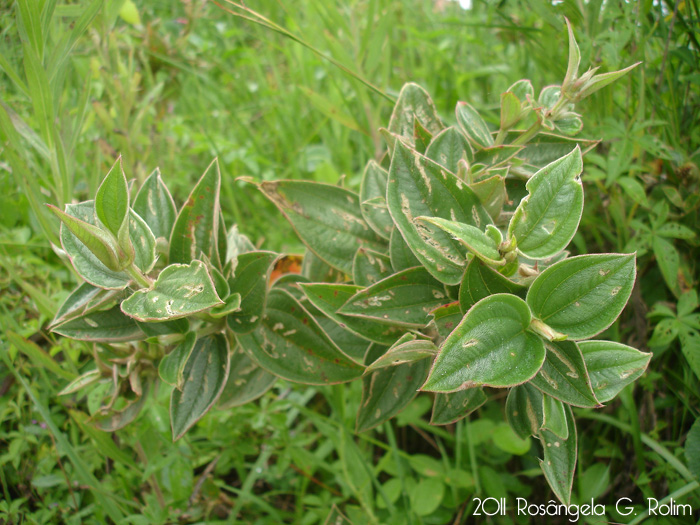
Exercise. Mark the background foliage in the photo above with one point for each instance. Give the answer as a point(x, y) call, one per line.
point(174, 84)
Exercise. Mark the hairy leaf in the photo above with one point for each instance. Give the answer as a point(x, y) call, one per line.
point(612, 366)
point(450, 408)
point(246, 381)
point(250, 281)
point(109, 326)
point(171, 368)
point(156, 206)
point(373, 199)
point(559, 463)
point(414, 103)
point(480, 281)
point(448, 148)
point(476, 241)
point(525, 410)
point(369, 266)
point(473, 126)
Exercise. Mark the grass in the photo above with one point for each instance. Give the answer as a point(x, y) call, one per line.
point(191, 82)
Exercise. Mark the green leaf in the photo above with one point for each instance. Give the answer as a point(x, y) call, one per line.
point(600, 81)
point(446, 318)
point(246, 381)
point(692, 449)
point(403, 299)
point(385, 392)
point(112, 205)
point(480, 281)
point(665, 332)
point(99, 243)
point(508, 441)
point(559, 463)
point(102, 440)
point(80, 382)
point(414, 103)
point(473, 126)
point(108, 326)
point(400, 254)
point(369, 267)
point(564, 375)
point(84, 299)
point(583, 295)
point(329, 298)
point(510, 110)
point(525, 410)
point(420, 187)
point(450, 408)
point(328, 219)
point(674, 230)
point(476, 241)
point(690, 346)
point(154, 330)
point(547, 219)
point(205, 376)
point(448, 148)
point(37, 355)
point(250, 281)
point(634, 190)
point(352, 345)
point(491, 193)
point(421, 137)
point(574, 59)
point(111, 420)
point(156, 206)
point(373, 199)
point(232, 304)
point(89, 266)
point(544, 149)
point(196, 227)
point(427, 495)
point(290, 344)
point(555, 417)
point(404, 351)
point(522, 89)
point(669, 262)
point(490, 347)
point(171, 368)
point(495, 156)
point(612, 366)
point(180, 290)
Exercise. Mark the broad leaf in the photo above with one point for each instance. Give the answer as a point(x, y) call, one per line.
point(473, 126)
point(195, 232)
point(420, 187)
point(612, 366)
point(525, 410)
point(690, 346)
point(205, 376)
point(491, 192)
point(490, 347)
point(400, 254)
point(351, 344)
point(446, 318)
point(668, 259)
point(373, 199)
point(84, 299)
point(156, 206)
point(290, 344)
point(564, 375)
point(403, 299)
point(480, 281)
point(246, 381)
point(328, 219)
point(369, 266)
point(112, 205)
point(387, 391)
point(329, 298)
point(414, 103)
point(544, 149)
point(171, 368)
point(583, 295)
point(450, 408)
point(179, 291)
point(692, 449)
point(495, 156)
point(510, 110)
point(555, 417)
point(111, 420)
point(80, 382)
point(476, 241)
point(250, 281)
point(109, 326)
point(559, 463)
point(404, 351)
point(448, 148)
point(547, 219)
point(175, 326)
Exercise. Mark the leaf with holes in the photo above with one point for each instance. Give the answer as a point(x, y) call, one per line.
point(690, 346)
point(250, 281)
point(405, 350)
point(195, 232)
point(205, 376)
point(491, 347)
point(450, 408)
point(448, 148)
point(171, 368)
point(564, 375)
point(108, 326)
point(246, 381)
point(446, 318)
point(548, 217)
point(403, 299)
point(612, 366)
point(369, 266)
point(156, 206)
point(582, 296)
point(480, 281)
point(290, 344)
point(559, 463)
point(179, 291)
point(525, 410)
point(476, 241)
point(420, 187)
point(373, 199)
point(473, 126)
point(385, 392)
point(328, 219)
point(329, 298)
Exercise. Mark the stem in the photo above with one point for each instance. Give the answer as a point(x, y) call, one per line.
point(687, 489)
point(136, 274)
point(529, 134)
point(546, 331)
